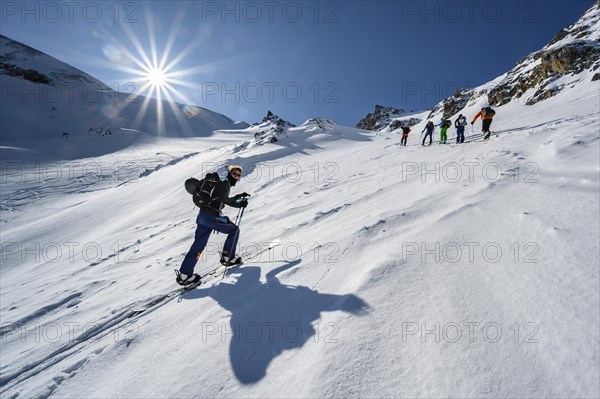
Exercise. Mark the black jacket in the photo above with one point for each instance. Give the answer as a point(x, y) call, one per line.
point(221, 198)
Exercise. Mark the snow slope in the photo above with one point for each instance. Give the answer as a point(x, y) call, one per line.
point(387, 280)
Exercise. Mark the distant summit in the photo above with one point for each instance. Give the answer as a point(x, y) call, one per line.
point(272, 127)
point(321, 123)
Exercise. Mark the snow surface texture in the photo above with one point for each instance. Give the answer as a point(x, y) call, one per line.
point(343, 305)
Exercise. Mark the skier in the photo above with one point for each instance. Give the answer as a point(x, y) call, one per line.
point(487, 115)
point(209, 219)
point(405, 132)
point(429, 127)
point(443, 129)
point(460, 124)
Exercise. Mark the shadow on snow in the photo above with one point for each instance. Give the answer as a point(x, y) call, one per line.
point(268, 318)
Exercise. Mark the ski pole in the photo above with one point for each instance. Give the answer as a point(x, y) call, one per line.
point(238, 216)
point(241, 214)
point(238, 222)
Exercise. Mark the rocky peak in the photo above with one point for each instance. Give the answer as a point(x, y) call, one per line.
point(380, 119)
point(271, 118)
point(321, 123)
point(272, 127)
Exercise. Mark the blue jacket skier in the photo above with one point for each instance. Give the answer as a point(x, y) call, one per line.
point(209, 219)
point(429, 128)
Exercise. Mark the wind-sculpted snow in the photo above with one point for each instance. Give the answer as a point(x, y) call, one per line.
point(353, 284)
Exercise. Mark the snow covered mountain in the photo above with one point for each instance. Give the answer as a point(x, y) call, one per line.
point(372, 270)
point(270, 129)
point(51, 110)
point(572, 56)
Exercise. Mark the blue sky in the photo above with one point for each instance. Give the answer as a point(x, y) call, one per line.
point(299, 59)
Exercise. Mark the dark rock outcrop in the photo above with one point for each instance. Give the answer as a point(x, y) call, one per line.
point(28, 74)
point(572, 51)
point(380, 119)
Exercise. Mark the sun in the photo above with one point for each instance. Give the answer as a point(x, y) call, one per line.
point(157, 77)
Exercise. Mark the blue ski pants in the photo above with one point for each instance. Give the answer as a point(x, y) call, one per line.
point(207, 222)
point(460, 134)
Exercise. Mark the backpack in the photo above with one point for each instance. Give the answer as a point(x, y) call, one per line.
point(202, 191)
point(487, 111)
point(405, 130)
point(447, 123)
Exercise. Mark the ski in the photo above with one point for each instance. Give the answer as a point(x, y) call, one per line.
point(161, 300)
point(172, 294)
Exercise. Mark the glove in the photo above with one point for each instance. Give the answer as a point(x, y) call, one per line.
point(243, 203)
point(472, 123)
point(242, 195)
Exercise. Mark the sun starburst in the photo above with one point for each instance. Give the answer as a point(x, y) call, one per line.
point(155, 74)
point(157, 77)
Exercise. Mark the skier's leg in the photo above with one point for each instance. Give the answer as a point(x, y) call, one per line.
point(231, 243)
point(486, 128)
point(200, 240)
point(224, 225)
point(486, 125)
